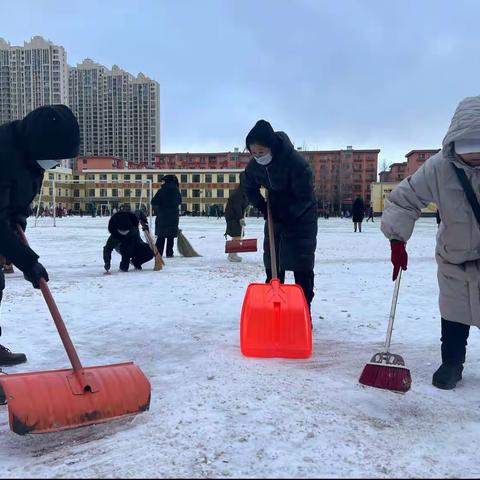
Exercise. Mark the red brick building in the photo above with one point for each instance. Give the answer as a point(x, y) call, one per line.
point(202, 161)
point(416, 158)
point(398, 171)
point(99, 163)
point(340, 175)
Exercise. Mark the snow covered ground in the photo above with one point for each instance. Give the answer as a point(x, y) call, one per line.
point(215, 413)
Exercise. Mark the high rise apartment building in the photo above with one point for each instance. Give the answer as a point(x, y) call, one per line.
point(31, 75)
point(118, 114)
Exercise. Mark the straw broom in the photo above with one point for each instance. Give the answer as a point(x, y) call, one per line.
point(184, 247)
point(387, 370)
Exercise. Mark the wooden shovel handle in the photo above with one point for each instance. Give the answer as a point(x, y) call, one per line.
point(57, 318)
point(271, 237)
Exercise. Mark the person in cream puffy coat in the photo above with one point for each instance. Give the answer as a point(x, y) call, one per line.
point(458, 239)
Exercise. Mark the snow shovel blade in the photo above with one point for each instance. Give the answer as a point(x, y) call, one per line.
point(275, 322)
point(50, 401)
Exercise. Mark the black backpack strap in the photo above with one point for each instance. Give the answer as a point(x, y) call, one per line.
point(468, 189)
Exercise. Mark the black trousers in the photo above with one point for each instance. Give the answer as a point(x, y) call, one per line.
point(161, 245)
point(454, 342)
point(139, 254)
point(305, 279)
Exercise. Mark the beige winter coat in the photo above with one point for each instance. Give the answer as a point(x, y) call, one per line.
point(458, 238)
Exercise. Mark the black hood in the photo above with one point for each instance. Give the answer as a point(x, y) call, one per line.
point(49, 133)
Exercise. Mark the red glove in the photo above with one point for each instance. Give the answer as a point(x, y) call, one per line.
point(399, 257)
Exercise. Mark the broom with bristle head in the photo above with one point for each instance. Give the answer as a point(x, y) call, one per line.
point(159, 263)
point(387, 370)
point(184, 247)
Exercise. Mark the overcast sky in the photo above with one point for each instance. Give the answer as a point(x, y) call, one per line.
point(371, 74)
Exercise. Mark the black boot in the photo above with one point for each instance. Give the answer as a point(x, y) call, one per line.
point(454, 343)
point(8, 358)
point(447, 376)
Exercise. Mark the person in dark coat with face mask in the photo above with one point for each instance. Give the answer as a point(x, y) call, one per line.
point(165, 203)
point(28, 147)
point(288, 178)
point(125, 239)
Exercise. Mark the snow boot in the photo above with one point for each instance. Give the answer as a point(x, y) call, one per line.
point(447, 376)
point(454, 343)
point(8, 268)
point(234, 257)
point(8, 358)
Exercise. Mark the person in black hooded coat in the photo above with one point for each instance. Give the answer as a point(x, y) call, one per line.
point(27, 148)
point(165, 203)
point(358, 213)
point(125, 239)
point(288, 178)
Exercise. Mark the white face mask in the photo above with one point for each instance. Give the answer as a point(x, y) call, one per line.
point(47, 164)
point(263, 160)
point(123, 232)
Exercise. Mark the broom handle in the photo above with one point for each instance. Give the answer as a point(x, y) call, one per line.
point(57, 318)
point(271, 237)
point(393, 311)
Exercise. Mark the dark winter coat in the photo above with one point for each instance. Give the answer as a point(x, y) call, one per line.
point(129, 246)
point(358, 211)
point(289, 181)
point(165, 203)
point(45, 133)
point(235, 211)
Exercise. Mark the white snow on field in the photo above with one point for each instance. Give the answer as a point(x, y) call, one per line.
point(215, 413)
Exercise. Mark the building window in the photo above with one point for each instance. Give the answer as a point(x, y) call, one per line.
point(184, 193)
point(196, 193)
point(91, 192)
point(115, 176)
point(220, 193)
point(126, 177)
point(208, 193)
point(196, 178)
point(126, 192)
point(114, 192)
point(220, 178)
point(184, 178)
point(103, 192)
point(208, 178)
point(138, 193)
point(232, 178)
point(138, 176)
point(103, 178)
point(76, 193)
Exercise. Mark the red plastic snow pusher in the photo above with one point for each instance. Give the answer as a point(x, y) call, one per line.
point(241, 246)
point(50, 401)
point(275, 319)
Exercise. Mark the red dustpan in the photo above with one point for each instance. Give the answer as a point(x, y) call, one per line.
point(50, 401)
point(275, 319)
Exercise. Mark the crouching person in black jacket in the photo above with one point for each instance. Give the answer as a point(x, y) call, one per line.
point(125, 239)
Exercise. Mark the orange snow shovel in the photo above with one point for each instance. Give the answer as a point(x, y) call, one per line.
point(275, 319)
point(50, 401)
